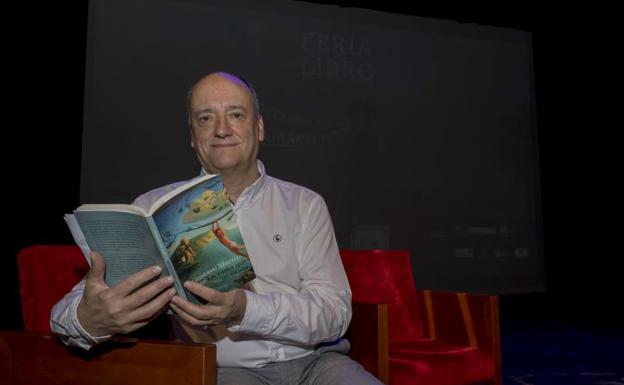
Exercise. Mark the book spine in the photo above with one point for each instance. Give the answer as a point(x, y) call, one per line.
point(166, 260)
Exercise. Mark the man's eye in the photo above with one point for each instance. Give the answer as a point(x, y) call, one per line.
point(204, 119)
point(237, 115)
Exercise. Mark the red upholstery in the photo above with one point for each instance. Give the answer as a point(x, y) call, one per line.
point(382, 276)
point(452, 356)
point(378, 276)
point(46, 274)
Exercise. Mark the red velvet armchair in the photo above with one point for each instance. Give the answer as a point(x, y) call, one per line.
point(434, 338)
point(48, 272)
point(414, 337)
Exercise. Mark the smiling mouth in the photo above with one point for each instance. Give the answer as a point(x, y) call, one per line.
point(223, 145)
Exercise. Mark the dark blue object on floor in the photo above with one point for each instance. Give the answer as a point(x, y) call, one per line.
point(560, 352)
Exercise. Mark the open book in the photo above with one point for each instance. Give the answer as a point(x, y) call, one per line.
point(191, 232)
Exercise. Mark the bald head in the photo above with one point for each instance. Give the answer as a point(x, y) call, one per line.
point(226, 128)
point(216, 77)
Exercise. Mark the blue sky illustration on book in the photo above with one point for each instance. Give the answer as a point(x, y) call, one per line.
point(199, 231)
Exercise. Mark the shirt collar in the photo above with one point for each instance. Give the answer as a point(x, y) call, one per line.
point(250, 192)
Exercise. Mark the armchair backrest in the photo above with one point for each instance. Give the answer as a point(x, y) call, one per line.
point(385, 276)
point(46, 274)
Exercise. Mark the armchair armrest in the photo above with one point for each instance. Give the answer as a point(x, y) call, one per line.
point(368, 335)
point(35, 358)
point(478, 313)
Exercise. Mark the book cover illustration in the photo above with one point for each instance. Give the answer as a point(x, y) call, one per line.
point(202, 238)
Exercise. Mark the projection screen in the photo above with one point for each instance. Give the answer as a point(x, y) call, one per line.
point(419, 133)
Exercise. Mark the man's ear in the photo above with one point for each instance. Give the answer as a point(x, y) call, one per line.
point(260, 129)
point(192, 138)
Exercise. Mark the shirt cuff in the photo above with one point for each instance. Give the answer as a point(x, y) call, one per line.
point(258, 316)
point(93, 340)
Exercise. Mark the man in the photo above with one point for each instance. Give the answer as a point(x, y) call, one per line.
point(286, 327)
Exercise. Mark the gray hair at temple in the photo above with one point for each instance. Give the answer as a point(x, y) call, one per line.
point(252, 91)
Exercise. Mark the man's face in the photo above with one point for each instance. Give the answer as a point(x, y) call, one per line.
point(226, 131)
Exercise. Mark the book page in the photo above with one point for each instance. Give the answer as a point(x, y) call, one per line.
point(113, 207)
point(123, 239)
point(79, 238)
point(200, 233)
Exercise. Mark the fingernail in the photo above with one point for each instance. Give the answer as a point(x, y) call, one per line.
point(188, 284)
point(169, 280)
point(171, 292)
point(156, 269)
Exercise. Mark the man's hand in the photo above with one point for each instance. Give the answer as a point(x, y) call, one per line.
point(228, 308)
point(122, 309)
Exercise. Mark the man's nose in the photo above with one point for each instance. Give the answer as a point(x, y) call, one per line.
point(223, 128)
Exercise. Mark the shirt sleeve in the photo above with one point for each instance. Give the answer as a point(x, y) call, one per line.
point(64, 321)
point(321, 310)
point(63, 317)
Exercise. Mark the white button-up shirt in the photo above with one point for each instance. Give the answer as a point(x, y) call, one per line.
point(300, 297)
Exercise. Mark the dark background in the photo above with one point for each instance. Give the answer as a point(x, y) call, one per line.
point(44, 54)
point(419, 133)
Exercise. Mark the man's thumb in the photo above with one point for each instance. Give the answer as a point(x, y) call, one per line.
point(97, 267)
